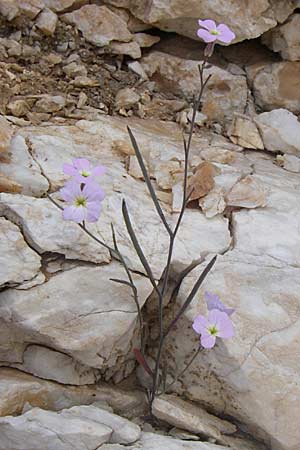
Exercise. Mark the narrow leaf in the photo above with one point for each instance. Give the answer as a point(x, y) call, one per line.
point(116, 280)
point(192, 293)
point(148, 181)
point(136, 245)
point(141, 360)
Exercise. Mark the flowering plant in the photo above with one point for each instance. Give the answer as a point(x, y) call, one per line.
point(83, 197)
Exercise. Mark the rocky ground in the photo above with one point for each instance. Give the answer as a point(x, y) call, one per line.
point(73, 75)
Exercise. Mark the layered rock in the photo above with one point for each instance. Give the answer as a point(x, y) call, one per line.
point(247, 20)
point(97, 329)
point(284, 39)
point(225, 94)
point(276, 85)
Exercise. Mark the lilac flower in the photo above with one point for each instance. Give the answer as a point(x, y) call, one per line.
point(217, 324)
point(213, 302)
point(210, 32)
point(84, 203)
point(82, 171)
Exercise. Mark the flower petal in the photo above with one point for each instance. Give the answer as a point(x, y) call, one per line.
point(69, 169)
point(93, 212)
point(207, 340)
point(81, 164)
point(76, 214)
point(200, 324)
point(93, 192)
point(208, 24)
point(98, 170)
point(225, 327)
point(70, 190)
point(213, 302)
point(214, 316)
point(206, 36)
point(226, 35)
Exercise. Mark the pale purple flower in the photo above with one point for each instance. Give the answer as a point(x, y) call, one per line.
point(211, 32)
point(217, 324)
point(213, 302)
point(82, 171)
point(84, 202)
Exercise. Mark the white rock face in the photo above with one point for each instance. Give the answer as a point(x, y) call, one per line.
point(280, 130)
point(124, 431)
point(247, 375)
point(6, 133)
point(18, 389)
point(151, 441)
point(46, 231)
point(186, 416)
point(80, 313)
point(225, 95)
point(276, 85)
point(285, 39)
point(52, 365)
point(24, 170)
point(39, 429)
point(247, 20)
point(18, 262)
point(99, 25)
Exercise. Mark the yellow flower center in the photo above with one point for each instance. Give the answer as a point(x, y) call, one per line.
point(85, 174)
point(80, 201)
point(214, 32)
point(213, 330)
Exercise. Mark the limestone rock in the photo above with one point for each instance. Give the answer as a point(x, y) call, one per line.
point(234, 378)
point(213, 203)
point(18, 108)
point(285, 39)
point(151, 441)
point(280, 131)
point(23, 170)
point(47, 22)
point(244, 132)
point(276, 85)
point(46, 230)
point(145, 40)
point(66, 313)
point(38, 429)
point(18, 262)
point(124, 431)
point(50, 103)
point(8, 185)
point(290, 163)
point(247, 193)
point(99, 25)
point(18, 389)
point(63, 5)
point(131, 49)
point(180, 413)
point(160, 142)
point(6, 133)
point(126, 98)
point(13, 8)
point(51, 365)
point(225, 93)
point(247, 21)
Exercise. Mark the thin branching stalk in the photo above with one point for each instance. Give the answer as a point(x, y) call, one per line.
point(172, 235)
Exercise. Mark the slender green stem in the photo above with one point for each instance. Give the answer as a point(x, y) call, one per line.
point(172, 235)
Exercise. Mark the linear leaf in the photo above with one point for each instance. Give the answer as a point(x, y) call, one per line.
point(141, 359)
point(148, 181)
point(137, 246)
point(116, 280)
point(192, 293)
